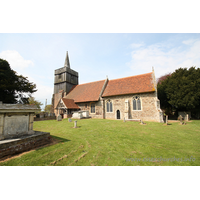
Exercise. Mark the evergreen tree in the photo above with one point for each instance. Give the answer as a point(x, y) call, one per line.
point(14, 88)
point(181, 89)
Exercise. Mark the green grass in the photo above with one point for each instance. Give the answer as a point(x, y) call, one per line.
point(103, 142)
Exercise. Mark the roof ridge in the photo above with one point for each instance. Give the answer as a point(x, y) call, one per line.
point(67, 98)
point(71, 89)
point(91, 82)
point(131, 76)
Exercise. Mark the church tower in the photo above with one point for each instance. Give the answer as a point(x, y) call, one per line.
point(64, 79)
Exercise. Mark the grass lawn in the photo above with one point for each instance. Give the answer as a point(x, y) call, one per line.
point(101, 142)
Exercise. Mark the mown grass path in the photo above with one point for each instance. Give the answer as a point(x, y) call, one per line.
point(100, 142)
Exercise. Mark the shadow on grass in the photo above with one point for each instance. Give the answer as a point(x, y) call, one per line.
point(55, 140)
point(59, 139)
point(168, 124)
point(77, 127)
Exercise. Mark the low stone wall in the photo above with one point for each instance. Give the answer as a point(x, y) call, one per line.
point(46, 118)
point(25, 143)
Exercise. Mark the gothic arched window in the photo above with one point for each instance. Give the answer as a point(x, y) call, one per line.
point(109, 106)
point(136, 103)
point(92, 107)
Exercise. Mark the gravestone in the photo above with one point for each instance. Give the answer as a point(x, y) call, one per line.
point(69, 120)
point(180, 118)
point(124, 119)
point(75, 124)
point(141, 122)
point(184, 113)
point(59, 118)
point(187, 117)
point(41, 115)
point(166, 119)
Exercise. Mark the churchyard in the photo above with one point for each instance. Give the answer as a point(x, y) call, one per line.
point(101, 142)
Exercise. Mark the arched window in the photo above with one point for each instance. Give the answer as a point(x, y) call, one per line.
point(92, 107)
point(136, 103)
point(109, 107)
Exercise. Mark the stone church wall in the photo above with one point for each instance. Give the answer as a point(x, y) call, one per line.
point(149, 107)
point(98, 109)
point(56, 99)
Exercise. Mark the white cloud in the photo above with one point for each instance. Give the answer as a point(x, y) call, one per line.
point(16, 61)
point(188, 42)
point(165, 61)
point(134, 45)
point(43, 93)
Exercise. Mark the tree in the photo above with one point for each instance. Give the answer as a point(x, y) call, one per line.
point(32, 100)
point(162, 78)
point(48, 108)
point(181, 90)
point(162, 96)
point(14, 88)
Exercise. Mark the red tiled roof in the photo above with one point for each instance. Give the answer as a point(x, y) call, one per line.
point(86, 92)
point(69, 103)
point(130, 85)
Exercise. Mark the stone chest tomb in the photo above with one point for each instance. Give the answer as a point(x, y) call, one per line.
point(16, 120)
point(16, 129)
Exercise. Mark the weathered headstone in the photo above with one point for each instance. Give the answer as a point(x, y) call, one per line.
point(141, 122)
point(180, 118)
point(69, 120)
point(59, 118)
point(41, 115)
point(166, 119)
point(75, 124)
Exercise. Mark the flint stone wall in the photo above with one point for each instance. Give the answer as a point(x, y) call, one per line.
point(150, 108)
point(98, 109)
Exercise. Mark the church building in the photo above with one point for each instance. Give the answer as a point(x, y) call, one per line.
point(132, 98)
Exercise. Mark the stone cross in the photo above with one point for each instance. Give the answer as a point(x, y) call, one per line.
point(180, 119)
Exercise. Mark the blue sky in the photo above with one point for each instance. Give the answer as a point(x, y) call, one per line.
point(96, 55)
